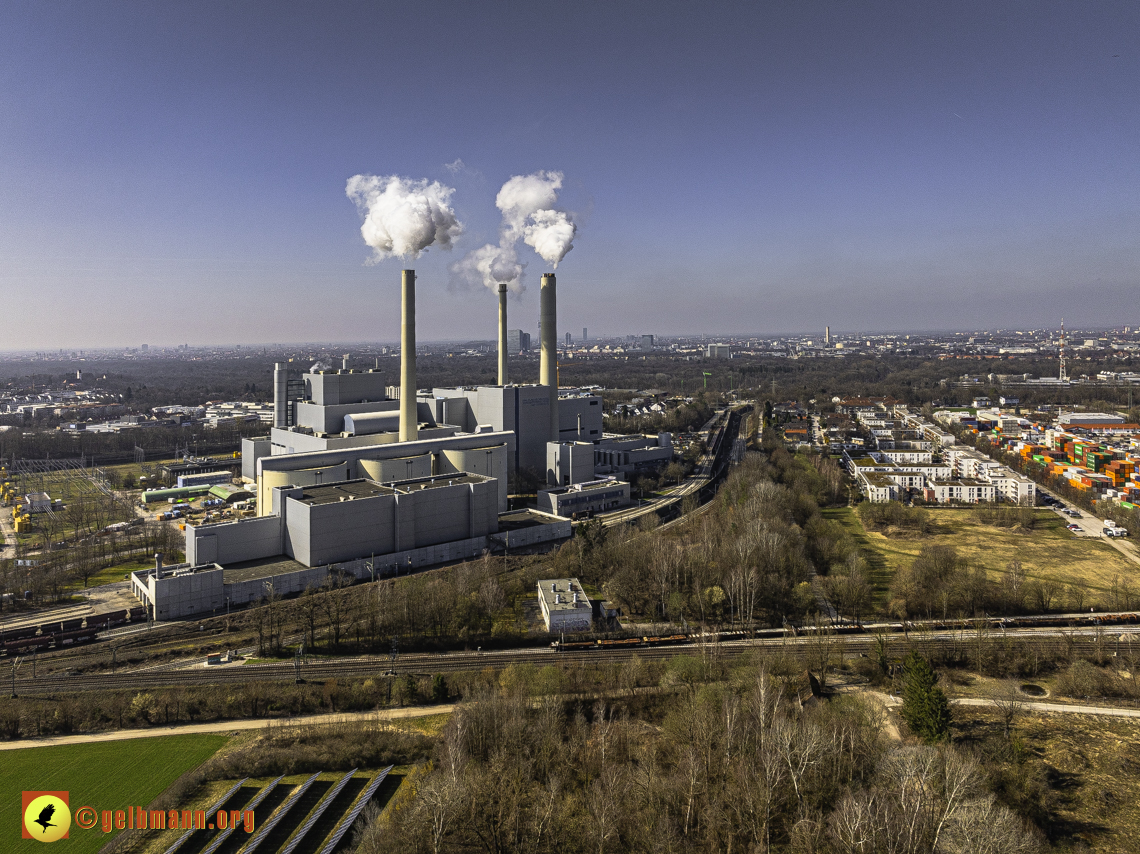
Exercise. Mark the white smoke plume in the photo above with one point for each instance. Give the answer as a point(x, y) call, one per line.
point(489, 265)
point(527, 204)
point(402, 216)
point(550, 234)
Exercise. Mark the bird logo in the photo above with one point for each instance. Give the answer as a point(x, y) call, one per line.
point(44, 820)
point(47, 816)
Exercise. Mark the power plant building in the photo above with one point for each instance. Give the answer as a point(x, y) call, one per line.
point(360, 478)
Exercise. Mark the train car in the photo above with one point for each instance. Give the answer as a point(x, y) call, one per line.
point(137, 614)
point(73, 638)
point(97, 621)
point(666, 640)
point(117, 618)
point(69, 625)
point(26, 645)
point(18, 634)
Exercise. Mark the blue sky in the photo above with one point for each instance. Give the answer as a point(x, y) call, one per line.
point(176, 171)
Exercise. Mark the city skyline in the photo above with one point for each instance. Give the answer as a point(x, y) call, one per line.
point(178, 173)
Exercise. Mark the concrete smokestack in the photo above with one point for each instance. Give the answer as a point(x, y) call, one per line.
point(409, 420)
point(502, 334)
point(344, 362)
point(827, 335)
point(281, 395)
point(548, 361)
point(548, 334)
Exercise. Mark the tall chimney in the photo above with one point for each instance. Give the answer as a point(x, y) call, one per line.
point(409, 420)
point(281, 395)
point(502, 334)
point(344, 362)
point(548, 361)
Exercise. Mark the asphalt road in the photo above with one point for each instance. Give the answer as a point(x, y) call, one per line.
point(1093, 527)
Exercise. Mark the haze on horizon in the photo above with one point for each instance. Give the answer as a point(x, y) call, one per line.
point(176, 172)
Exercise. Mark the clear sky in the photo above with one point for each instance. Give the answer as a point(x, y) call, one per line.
point(176, 172)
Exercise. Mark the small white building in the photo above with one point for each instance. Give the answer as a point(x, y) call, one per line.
point(37, 502)
point(564, 605)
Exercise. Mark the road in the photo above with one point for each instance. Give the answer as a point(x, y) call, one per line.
point(1093, 527)
point(229, 726)
point(702, 474)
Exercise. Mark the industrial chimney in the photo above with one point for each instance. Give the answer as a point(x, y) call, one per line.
point(502, 335)
point(409, 420)
point(548, 361)
point(344, 362)
point(281, 395)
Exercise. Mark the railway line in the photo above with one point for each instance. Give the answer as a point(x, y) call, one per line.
point(1081, 641)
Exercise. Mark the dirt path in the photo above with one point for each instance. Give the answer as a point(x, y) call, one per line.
point(1029, 705)
point(229, 726)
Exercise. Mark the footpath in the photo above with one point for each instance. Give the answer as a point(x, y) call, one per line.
point(230, 726)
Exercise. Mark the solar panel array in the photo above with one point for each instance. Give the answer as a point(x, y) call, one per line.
point(329, 797)
point(282, 810)
point(361, 803)
point(221, 801)
point(225, 834)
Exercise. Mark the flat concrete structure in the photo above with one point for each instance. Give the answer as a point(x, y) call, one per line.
point(347, 491)
point(266, 567)
point(564, 605)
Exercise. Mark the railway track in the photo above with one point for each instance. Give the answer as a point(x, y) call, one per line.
point(1083, 642)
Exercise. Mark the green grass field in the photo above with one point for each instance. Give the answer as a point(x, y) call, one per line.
point(1048, 551)
point(107, 775)
point(112, 574)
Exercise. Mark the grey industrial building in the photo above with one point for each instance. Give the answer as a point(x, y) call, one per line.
point(356, 478)
point(585, 499)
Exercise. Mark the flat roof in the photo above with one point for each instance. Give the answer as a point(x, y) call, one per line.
point(266, 567)
point(520, 519)
point(349, 489)
point(438, 481)
point(558, 594)
point(590, 486)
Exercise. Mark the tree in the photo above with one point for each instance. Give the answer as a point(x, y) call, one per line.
point(925, 707)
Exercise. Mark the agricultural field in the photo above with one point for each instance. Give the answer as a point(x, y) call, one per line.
point(1049, 551)
point(106, 775)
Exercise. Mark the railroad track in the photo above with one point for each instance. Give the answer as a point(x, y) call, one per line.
point(422, 664)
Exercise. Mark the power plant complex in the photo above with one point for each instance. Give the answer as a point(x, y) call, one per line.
point(360, 480)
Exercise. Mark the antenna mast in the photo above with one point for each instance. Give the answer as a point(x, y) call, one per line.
point(1063, 377)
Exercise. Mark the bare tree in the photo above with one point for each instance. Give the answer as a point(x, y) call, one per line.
point(1010, 704)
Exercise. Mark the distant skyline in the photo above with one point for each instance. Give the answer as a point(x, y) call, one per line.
point(177, 172)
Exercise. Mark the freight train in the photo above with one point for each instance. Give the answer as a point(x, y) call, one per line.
point(65, 633)
point(1074, 621)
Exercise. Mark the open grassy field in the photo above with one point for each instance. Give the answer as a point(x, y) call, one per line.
point(1048, 551)
point(1087, 770)
point(113, 573)
point(110, 775)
